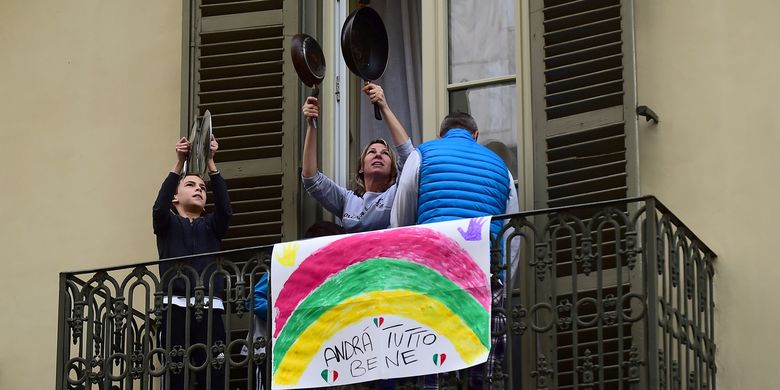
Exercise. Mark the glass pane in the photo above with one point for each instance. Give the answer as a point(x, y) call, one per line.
point(482, 39)
point(493, 108)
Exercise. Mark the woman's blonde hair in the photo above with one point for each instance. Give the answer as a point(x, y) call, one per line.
point(360, 185)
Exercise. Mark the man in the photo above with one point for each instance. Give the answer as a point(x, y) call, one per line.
point(455, 177)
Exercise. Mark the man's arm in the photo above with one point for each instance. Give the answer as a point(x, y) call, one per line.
point(404, 211)
point(512, 207)
point(222, 210)
point(161, 211)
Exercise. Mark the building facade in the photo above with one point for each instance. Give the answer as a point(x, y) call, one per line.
point(97, 93)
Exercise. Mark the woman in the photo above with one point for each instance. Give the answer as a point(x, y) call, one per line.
point(367, 206)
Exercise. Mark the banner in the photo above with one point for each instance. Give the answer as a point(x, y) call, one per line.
point(382, 304)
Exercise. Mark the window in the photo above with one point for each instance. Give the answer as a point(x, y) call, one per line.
point(482, 71)
point(563, 103)
point(584, 134)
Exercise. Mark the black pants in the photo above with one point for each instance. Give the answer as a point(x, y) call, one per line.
point(198, 334)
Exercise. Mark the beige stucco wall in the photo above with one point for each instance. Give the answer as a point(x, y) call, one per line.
point(711, 70)
point(90, 110)
point(89, 113)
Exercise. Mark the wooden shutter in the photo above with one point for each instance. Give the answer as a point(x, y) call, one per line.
point(582, 86)
point(584, 135)
point(241, 72)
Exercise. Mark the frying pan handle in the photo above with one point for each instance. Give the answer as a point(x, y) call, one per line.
point(377, 111)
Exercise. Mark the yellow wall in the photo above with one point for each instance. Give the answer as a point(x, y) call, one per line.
point(90, 111)
point(89, 114)
point(711, 70)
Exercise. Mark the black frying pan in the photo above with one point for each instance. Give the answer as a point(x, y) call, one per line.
point(309, 63)
point(364, 46)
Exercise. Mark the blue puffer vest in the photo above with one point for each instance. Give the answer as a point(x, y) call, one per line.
point(460, 178)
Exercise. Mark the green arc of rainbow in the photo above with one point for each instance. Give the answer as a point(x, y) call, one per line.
point(392, 286)
point(419, 245)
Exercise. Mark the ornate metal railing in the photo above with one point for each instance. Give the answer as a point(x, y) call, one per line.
point(613, 295)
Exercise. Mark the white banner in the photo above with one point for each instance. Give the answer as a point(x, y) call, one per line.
point(382, 304)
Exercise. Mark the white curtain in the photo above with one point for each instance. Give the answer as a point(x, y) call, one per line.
point(402, 78)
point(482, 39)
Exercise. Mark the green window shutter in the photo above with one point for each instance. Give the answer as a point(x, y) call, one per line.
point(582, 80)
point(240, 73)
point(584, 131)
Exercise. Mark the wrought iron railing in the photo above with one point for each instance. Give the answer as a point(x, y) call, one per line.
point(612, 295)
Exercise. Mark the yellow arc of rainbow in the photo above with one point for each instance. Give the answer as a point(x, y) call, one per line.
point(403, 303)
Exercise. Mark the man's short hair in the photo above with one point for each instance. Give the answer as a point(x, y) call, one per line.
point(458, 120)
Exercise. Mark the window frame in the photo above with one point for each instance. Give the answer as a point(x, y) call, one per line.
point(436, 86)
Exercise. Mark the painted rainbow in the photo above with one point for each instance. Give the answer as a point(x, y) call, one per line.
point(416, 273)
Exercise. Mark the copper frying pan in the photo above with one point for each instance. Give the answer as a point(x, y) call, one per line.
point(309, 62)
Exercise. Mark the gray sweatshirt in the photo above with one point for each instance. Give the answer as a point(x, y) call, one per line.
point(358, 214)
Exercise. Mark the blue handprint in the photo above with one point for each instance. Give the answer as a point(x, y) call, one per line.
point(474, 232)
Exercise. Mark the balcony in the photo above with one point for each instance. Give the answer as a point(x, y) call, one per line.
point(612, 295)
